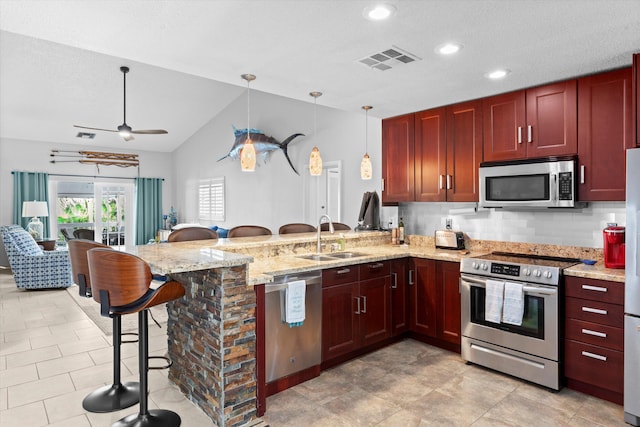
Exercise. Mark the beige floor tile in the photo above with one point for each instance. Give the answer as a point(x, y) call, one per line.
point(602, 412)
point(362, 408)
point(80, 346)
point(66, 406)
point(32, 356)
point(99, 375)
point(53, 339)
point(34, 391)
point(64, 364)
point(27, 333)
point(32, 415)
point(78, 421)
point(520, 411)
point(18, 375)
point(3, 399)
point(7, 348)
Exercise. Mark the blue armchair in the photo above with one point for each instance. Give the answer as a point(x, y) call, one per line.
point(32, 267)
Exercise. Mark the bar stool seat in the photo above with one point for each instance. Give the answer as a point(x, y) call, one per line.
point(121, 284)
point(116, 396)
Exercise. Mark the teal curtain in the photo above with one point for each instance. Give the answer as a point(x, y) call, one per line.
point(148, 208)
point(30, 186)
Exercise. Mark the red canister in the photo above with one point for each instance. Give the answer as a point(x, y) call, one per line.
point(614, 246)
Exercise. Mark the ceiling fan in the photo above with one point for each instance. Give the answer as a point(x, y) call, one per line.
point(124, 129)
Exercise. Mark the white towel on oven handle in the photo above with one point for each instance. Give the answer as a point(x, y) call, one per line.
point(494, 291)
point(513, 307)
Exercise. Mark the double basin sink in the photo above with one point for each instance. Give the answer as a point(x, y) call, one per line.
point(331, 256)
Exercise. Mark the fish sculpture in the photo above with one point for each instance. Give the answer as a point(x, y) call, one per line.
point(263, 144)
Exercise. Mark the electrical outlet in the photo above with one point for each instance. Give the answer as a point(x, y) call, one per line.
point(448, 223)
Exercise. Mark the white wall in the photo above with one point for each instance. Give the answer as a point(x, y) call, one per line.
point(273, 194)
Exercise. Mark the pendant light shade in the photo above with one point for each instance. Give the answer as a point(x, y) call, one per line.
point(315, 160)
point(248, 152)
point(366, 169)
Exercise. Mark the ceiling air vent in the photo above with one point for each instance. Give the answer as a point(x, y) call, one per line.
point(388, 58)
point(86, 135)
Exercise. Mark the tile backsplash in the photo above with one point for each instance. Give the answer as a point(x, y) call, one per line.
point(574, 227)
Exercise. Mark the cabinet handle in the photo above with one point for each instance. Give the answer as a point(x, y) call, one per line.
point(594, 288)
point(394, 284)
point(594, 333)
point(376, 265)
point(449, 181)
point(529, 133)
point(441, 184)
point(343, 271)
point(358, 309)
point(594, 310)
point(364, 304)
point(581, 174)
point(594, 356)
point(410, 277)
point(519, 134)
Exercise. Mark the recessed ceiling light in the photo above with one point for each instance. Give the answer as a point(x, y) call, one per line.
point(379, 11)
point(498, 74)
point(448, 48)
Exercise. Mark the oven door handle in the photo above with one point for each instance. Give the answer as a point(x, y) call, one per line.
point(526, 289)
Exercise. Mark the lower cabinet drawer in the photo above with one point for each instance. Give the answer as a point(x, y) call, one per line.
point(595, 311)
point(594, 365)
point(595, 334)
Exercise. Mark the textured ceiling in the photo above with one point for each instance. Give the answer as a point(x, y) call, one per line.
point(59, 60)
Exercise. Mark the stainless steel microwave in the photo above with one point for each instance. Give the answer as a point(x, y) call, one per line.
point(548, 182)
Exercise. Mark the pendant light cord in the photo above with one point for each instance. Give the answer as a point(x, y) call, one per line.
point(248, 110)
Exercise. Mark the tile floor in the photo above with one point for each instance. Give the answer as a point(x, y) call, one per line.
point(52, 355)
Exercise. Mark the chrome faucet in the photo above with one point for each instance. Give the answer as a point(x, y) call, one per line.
point(320, 226)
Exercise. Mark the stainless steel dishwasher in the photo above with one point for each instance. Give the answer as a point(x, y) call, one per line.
point(292, 349)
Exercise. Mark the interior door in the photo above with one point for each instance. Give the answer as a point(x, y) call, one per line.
point(322, 194)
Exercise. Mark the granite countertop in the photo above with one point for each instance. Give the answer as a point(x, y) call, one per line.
point(596, 271)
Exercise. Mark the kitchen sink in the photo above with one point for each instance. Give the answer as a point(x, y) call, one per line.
point(316, 257)
point(346, 254)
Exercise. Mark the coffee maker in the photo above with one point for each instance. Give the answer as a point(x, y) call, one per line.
point(614, 246)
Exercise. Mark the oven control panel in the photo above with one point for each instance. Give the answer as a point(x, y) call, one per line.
point(505, 269)
point(523, 272)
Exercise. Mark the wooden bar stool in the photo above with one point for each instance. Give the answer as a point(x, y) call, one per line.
point(120, 282)
point(117, 395)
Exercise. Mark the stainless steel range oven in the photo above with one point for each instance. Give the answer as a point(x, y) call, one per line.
point(529, 347)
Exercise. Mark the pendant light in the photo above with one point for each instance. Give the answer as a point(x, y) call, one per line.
point(248, 152)
point(366, 170)
point(315, 160)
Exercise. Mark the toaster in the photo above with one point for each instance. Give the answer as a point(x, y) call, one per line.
point(448, 239)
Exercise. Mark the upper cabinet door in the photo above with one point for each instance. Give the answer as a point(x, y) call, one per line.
point(605, 131)
point(636, 91)
point(431, 156)
point(504, 118)
point(398, 159)
point(552, 120)
point(464, 151)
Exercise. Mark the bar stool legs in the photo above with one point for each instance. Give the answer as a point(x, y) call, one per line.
point(146, 417)
point(116, 396)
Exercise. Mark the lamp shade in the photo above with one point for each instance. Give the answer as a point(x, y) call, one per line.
point(34, 209)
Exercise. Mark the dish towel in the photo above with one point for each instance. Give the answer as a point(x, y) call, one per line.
point(294, 303)
point(493, 300)
point(513, 308)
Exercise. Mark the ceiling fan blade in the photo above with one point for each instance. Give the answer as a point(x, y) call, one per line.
point(86, 127)
point(150, 131)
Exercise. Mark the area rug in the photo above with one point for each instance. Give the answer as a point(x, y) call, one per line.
point(157, 315)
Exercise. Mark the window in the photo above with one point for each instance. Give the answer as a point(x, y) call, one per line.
point(211, 199)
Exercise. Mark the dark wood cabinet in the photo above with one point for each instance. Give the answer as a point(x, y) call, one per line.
point(399, 296)
point(430, 155)
point(605, 132)
point(464, 151)
point(356, 308)
point(636, 97)
point(435, 302)
point(398, 159)
point(536, 122)
point(594, 337)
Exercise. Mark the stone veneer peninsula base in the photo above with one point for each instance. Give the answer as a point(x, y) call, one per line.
point(212, 343)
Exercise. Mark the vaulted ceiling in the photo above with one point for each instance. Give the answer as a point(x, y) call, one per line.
point(60, 60)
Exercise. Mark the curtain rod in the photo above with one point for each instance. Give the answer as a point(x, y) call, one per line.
point(89, 176)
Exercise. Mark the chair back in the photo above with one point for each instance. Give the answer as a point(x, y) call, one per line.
point(124, 277)
point(192, 233)
point(65, 234)
point(249, 230)
point(296, 228)
point(78, 249)
point(84, 233)
point(336, 226)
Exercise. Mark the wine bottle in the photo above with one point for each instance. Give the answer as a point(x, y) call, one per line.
point(401, 231)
